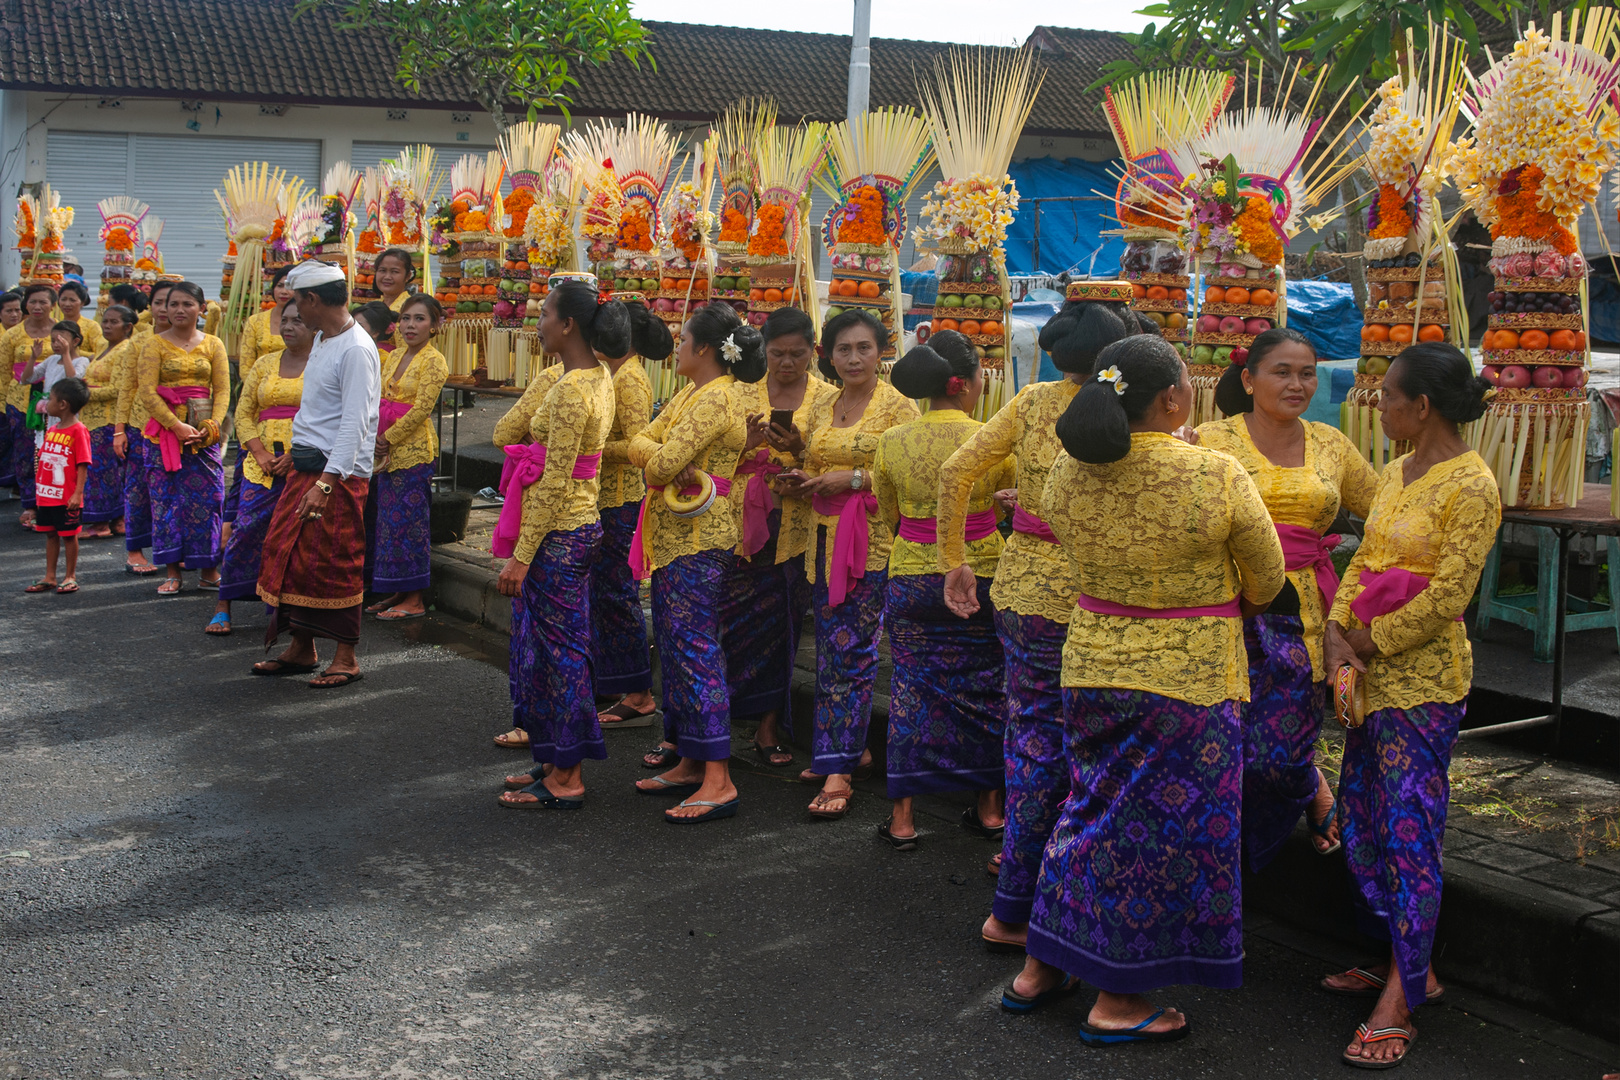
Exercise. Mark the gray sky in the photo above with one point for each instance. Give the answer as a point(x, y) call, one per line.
point(975, 22)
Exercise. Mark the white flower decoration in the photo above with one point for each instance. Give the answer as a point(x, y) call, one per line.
point(1113, 375)
point(731, 351)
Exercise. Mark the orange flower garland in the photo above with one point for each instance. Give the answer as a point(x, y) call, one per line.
point(25, 228)
point(472, 221)
point(866, 224)
point(1254, 227)
point(635, 233)
point(1393, 219)
point(1519, 213)
point(119, 240)
point(733, 226)
point(518, 207)
point(370, 243)
point(1144, 216)
point(769, 230)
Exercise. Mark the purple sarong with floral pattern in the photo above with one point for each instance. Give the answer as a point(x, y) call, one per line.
point(137, 500)
point(553, 696)
point(1281, 722)
point(104, 484)
point(618, 629)
point(686, 599)
point(764, 608)
point(185, 507)
point(846, 667)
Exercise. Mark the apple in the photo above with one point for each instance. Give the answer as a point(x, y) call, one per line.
point(992, 302)
point(1223, 355)
point(741, 306)
point(1208, 324)
point(1513, 377)
point(1232, 325)
point(1240, 355)
point(834, 312)
point(1574, 378)
point(1377, 365)
point(1490, 373)
point(531, 321)
point(1546, 377)
point(972, 300)
point(1256, 326)
point(1203, 354)
point(950, 300)
point(756, 318)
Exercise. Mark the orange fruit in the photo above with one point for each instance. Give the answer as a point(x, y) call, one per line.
point(1533, 339)
point(1138, 291)
point(1505, 339)
point(1401, 332)
point(1237, 294)
point(756, 294)
point(773, 296)
point(1375, 332)
point(849, 287)
point(970, 326)
point(1214, 295)
point(989, 326)
point(870, 289)
point(1178, 294)
point(788, 294)
point(1263, 297)
point(1431, 332)
point(945, 324)
point(1158, 292)
point(1563, 340)
point(1580, 339)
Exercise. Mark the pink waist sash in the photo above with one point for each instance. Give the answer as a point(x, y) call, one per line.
point(847, 560)
point(18, 369)
point(757, 501)
point(278, 412)
point(1230, 609)
point(168, 441)
point(640, 558)
point(525, 464)
point(979, 524)
point(389, 412)
point(1384, 591)
point(1304, 547)
point(1030, 525)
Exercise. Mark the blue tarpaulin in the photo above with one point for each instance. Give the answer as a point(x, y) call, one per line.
point(1326, 312)
point(1070, 231)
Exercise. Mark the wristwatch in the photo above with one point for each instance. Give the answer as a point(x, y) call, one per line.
point(326, 489)
point(856, 481)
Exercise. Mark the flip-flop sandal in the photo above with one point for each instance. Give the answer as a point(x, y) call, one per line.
point(718, 810)
point(523, 780)
point(283, 667)
point(68, 586)
point(993, 867)
point(626, 717)
point(862, 772)
point(505, 743)
point(140, 569)
point(1374, 986)
point(668, 787)
point(41, 586)
point(972, 823)
point(664, 757)
point(372, 609)
point(1096, 1036)
point(765, 753)
point(543, 799)
point(222, 620)
point(1367, 1035)
point(999, 945)
point(1014, 1002)
point(164, 590)
point(212, 586)
point(899, 843)
point(819, 803)
point(347, 677)
point(1322, 829)
point(396, 614)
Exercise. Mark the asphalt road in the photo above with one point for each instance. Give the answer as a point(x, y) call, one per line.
point(230, 877)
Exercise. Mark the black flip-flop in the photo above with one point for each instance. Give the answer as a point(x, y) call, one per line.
point(1015, 1002)
point(764, 754)
point(347, 677)
point(667, 757)
point(899, 843)
point(544, 800)
point(285, 667)
point(716, 811)
point(533, 774)
point(973, 824)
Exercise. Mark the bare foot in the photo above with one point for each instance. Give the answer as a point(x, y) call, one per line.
point(1121, 1012)
point(1005, 933)
point(1036, 978)
point(688, 771)
point(715, 791)
point(1321, 805)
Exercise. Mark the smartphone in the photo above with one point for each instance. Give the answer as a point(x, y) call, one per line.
point(782, 418)
point(276, 449)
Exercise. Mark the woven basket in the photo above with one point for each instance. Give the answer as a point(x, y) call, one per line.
point(1538, 284)
point(1169, 281)
point(1382, 348)
point(1170, 334)
point(1369, 382)
point(1435, 312)
point(1178, 306)
point(1405, 273)
point(1533, 357)
point(1533, 320)
point(1242, 283)
point(987, 340)
point(1235, 340)
point(1246, 311)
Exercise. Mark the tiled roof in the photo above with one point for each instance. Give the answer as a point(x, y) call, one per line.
point(254, 50)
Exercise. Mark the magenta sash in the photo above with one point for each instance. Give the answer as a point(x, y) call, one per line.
point(640, 559)
point(980, 524)
point(757, 501)
point(847, 560)
point(1230, 609)
point(278, 412)
point(389, 412)
point(1384, 591)
point(525, 464)
point(168, 442)
point(18, 369)
point(1030, 525)
point(1304, 547)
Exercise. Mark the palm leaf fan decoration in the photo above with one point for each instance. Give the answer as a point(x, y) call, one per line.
point(589, 152)
point(686, 212)
point(528, 149)
point(304, 225)
point(740, 130)
point(251, 204)
point(643, 153)
point(121, 218)
point(1147, 114)
point(787, 158)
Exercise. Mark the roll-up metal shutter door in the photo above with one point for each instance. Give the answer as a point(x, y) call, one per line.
point(85, 167)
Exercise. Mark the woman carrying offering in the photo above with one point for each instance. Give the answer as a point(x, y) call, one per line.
point(848, 570)
point(1397, 622)
point(947, 704)
point(767, 593)
point(548, 568)
point(685, 539)
point(407, 456)
point(260, 336)
point(271, 392)
point(104, 490)
point(16, 350)
point(1140, 886)
point(1033, 592)
point(184, 369)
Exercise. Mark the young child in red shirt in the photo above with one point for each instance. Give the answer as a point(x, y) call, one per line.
point(61, 465)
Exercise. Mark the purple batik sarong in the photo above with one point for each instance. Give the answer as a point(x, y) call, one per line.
point(686, 601)
point(1281, 722)
point(765, 603)
point(1393, 792)
point(239, 568)
point(1140, 887)
point(137, 500)
point(847, 637)
point(551, 670)
point(947, 702)
point(22, 454)
point(399, 540)
point(8, 462)
point(104, 483)
point(185, 507)
point(618, 629)
point(233, 492)
point(1037, 773)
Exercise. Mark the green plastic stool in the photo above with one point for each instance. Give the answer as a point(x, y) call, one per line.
point(1536, 613)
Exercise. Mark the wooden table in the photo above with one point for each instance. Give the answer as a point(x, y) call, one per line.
point(1589, 517)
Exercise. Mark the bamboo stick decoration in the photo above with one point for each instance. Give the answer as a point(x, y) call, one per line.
point(251, 202)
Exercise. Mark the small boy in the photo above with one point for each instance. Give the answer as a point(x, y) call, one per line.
point(62, 465)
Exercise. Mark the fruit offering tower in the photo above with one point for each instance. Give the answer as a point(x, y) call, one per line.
point(412, 178)
point(873, 164)
point(528, 149)
point(1147, 113)
point(1546, 133)
point(1414, 290)
point(740, 131)
point(334, 241)
point(475, 181)
point(687, 255)
point(150, 263)
point(279, 250)
point(42, 225)
point(369, 244)
point(623, 217)
point(548, 236)
point(782, 273)
point(976, 108)
point(121, 218)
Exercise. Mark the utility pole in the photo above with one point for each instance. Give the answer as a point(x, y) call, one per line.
point(860, 60)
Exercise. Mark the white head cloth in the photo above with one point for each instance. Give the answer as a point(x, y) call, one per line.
point(310, 273)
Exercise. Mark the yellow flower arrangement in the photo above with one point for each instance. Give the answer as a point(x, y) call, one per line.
point(971, 215)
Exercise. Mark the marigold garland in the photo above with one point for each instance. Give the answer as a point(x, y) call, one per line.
point(518, 206)
point(863, 217)
point(733, 226)
point(1519, 211)
point(1144, 215)
point(118, 239)
point(370, 243)
point(769, 232)
point(1388, 217)
point(635, 231)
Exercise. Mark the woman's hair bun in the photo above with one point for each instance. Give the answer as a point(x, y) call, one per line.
point(926, 371)
point(1439, 371)
point(716, 323)
point(1083, 328)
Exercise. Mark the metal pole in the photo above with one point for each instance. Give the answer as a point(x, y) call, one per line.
point(860, 61)
point(1036, 269)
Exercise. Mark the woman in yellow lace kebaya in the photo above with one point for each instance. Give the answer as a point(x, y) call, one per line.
point(104, 490)
point(766, 593)
point(11, 313)
point(1033, 592)
point(851, 553)
point(271, 393)
point(1305, 472)
point(1169, 543)
point(549, 536)
point(130, 416)
point(947, 701)
point(184, 380)
point(260, 336)
point(1397, 621)
point(70, 301)
point(16, 347)
point(399, 541)
point(686, 539)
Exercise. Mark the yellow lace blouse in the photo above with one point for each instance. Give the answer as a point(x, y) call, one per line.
point(1308, 496)
point(163, 364)
point(131, 409)
point(1032, 576)
point(632, 412)
point(906, 480)
point(1168, 526)
point(793, 537)
point(93, 340)
point(101, 377)
point(829, 449)
point(412, 440)
point(263, 387)
point(574, 419)
point(1442, 526)
point(703, 426)
point(17, 347)
point(513, 428)
point(256, 341)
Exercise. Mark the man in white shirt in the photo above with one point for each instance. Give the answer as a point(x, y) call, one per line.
point(313, 569)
